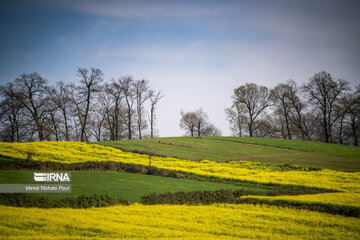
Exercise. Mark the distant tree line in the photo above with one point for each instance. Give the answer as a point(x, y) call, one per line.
point(91, 110)
point(324, 109)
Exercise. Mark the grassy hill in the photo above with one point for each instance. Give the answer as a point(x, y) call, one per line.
point(270, 151)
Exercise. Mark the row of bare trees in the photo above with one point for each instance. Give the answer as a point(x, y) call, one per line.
point(325, 109)
point(91, 110)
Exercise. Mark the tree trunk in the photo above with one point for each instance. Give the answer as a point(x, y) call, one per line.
point(83, 125)
point(116, 122)
point(139, 122)
point(152, 122)
point(13, 128)
point(250, 129)
point(39, 128)
point(55, 127)
point(239, 125)
point(340, 130)
point(353, 127)
point(67, 136)
point(129, 124)
point(329, 127)
point(287, 126)
point(325, 127)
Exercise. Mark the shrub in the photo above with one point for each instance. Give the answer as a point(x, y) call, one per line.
point(197, 197)
point(104, 166)
point(26, 200)
point(349, 211)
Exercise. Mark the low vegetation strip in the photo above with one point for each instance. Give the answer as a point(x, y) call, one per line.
point(191, 198)
point(343, 199)
point(226, 196)
point(218, 221)
point(26, 200)
point(175, 198)
point(346, 210)
point(75, 152)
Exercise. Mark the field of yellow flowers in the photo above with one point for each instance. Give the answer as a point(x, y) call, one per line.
point(218, 221)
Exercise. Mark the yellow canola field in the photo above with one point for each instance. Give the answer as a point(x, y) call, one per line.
point(74, 152)
point(344, 199)
point(219, 221)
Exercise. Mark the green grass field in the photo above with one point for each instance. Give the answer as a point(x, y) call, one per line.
point(270, 151)
point(129, 186)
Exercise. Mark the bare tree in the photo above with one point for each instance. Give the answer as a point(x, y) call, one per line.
point(279, 125)
point(141, 90)
point(54, 121)
point(154, 99)
point(341, 112)
point(236, 117)
point(111, 101)
point(29, 91)
point(298, 110)
point(126, 84)
point(97, 123)
point(211, 130)
point(201, 120)
point(60, 99)
point(13, 124)
point(188, 122)
point(281, 96)
point(198, 123)
point(255, 98)
point(264, 129)
point(75, 111)
point(90, 84)
point(351, 103)
point(325, 91)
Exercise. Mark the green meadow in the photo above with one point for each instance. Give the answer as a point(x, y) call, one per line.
point(265, 150)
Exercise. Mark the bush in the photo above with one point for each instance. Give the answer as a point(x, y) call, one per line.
point(26, 200)
point(197, 197)
point(103, 166)
point(349, 211)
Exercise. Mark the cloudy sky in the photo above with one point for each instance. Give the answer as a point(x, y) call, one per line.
point(195, 52)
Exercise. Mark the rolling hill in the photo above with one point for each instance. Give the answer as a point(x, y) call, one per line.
point(265, 150)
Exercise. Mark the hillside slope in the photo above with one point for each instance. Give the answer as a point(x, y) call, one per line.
point(270, 151)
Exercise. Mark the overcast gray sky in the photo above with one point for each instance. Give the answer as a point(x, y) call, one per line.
point(195, 52)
